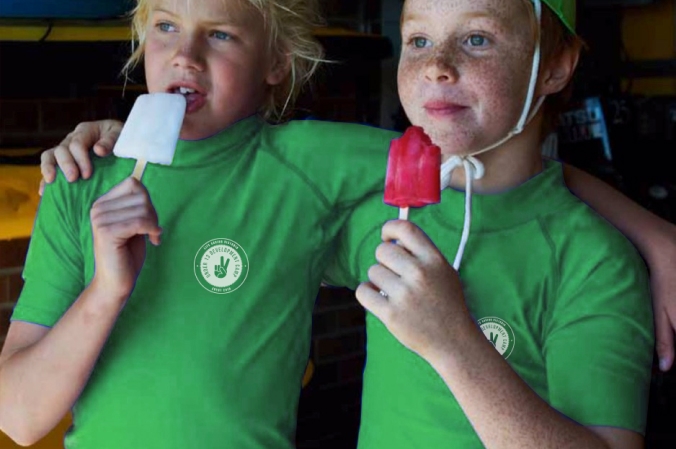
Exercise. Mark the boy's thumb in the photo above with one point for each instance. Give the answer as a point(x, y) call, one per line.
point(665, 339)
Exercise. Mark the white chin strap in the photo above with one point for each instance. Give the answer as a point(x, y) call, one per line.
point(473, 167)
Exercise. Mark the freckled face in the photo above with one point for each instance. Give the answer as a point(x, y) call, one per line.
point(464, 69)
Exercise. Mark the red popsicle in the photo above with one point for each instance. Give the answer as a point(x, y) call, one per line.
point(413, 167)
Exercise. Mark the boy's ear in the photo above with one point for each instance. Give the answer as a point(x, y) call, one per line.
point(558, 71)
point(279, 70)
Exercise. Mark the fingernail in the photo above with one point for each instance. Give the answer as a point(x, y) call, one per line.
point(663, 364)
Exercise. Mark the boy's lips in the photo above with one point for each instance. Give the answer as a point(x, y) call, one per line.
point(440, 108)
point(195, 95)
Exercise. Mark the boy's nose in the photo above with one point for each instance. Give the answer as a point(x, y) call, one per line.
point(189, 55)
point(441, 68)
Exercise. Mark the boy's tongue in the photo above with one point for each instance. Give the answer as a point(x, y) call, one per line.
point(194, 102)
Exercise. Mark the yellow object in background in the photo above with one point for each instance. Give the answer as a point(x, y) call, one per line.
point(19, 200)
point(54, 440)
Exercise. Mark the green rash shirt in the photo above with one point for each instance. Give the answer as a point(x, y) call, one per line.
point(562, 295)
point(210, 349)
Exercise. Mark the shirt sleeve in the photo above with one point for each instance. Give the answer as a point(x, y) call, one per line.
point(356, 245)
point(598, 343)
point(53, 272)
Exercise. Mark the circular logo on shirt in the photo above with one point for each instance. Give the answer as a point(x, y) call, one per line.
point(499, 333)
point(221, 266)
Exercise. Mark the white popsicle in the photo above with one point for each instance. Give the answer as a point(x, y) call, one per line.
point(151, 131)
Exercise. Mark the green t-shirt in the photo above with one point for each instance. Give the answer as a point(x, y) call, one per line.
point(562, 295)
point(210, 350)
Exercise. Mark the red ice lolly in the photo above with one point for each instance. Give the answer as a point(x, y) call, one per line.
point(413, 167)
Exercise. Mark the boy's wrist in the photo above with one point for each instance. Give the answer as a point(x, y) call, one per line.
point(103, 294)
point(459, 350)
point(660, 249)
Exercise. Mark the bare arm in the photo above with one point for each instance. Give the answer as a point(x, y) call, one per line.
point(525, 420)
point(654, 238)
point(424, 308)
point(646, 230)
point(43, 371)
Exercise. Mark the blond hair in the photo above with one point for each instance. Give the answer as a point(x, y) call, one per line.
point(289, 24)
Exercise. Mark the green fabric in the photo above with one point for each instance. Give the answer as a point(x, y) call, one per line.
point(565, 10)
point(571, 288)
point(186, 367)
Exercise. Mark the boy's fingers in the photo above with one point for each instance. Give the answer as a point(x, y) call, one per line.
point(370, 297)
point(104, 147)
point(665, 339)
point(118, 203)
point(383, 278)
point(108, 135)
point(395, 257)
point(155, 238)
point(48, 165)
point(136, 226)
point(66, 163)
point(409, 236)
point(79, 150)
point(127, 187)
point(41, 189)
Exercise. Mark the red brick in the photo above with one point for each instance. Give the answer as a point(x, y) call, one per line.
point(13, 253)
point(15, 286)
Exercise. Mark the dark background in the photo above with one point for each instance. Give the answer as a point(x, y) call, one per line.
point(47, 87)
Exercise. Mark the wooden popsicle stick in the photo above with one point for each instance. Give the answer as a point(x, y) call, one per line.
point(138, 169)
point(403, 213)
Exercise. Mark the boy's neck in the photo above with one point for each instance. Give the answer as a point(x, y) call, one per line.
point(507, 166)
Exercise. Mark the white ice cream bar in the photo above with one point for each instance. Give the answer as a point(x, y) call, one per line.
point(152, 129)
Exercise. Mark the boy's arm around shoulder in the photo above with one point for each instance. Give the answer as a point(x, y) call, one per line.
point(345, 162)
point(598, 337)
point(354, 250)
point(654, 237)
point(51, 346)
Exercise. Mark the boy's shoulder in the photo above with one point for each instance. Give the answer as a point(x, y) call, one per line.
point(107, 172)
point(343, 161)
point(578, 232)
point(318, 137)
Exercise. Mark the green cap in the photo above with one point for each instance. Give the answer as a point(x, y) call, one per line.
point(565, 10)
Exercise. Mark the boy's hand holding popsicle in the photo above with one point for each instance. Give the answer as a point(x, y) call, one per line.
point(424, 306)
point(413, 289)
point(120, 220)
point(123, 216)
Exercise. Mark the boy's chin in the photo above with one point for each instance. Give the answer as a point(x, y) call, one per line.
point(189, 132)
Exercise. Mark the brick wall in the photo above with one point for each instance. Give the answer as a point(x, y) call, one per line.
point(329, 408)
point(43, 122)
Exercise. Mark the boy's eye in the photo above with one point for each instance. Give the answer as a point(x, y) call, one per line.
point(477, 40)
point(420, 42)
point(221, 35)
point(165, 27)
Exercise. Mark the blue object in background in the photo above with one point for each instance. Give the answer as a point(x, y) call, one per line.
point(64, 9)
